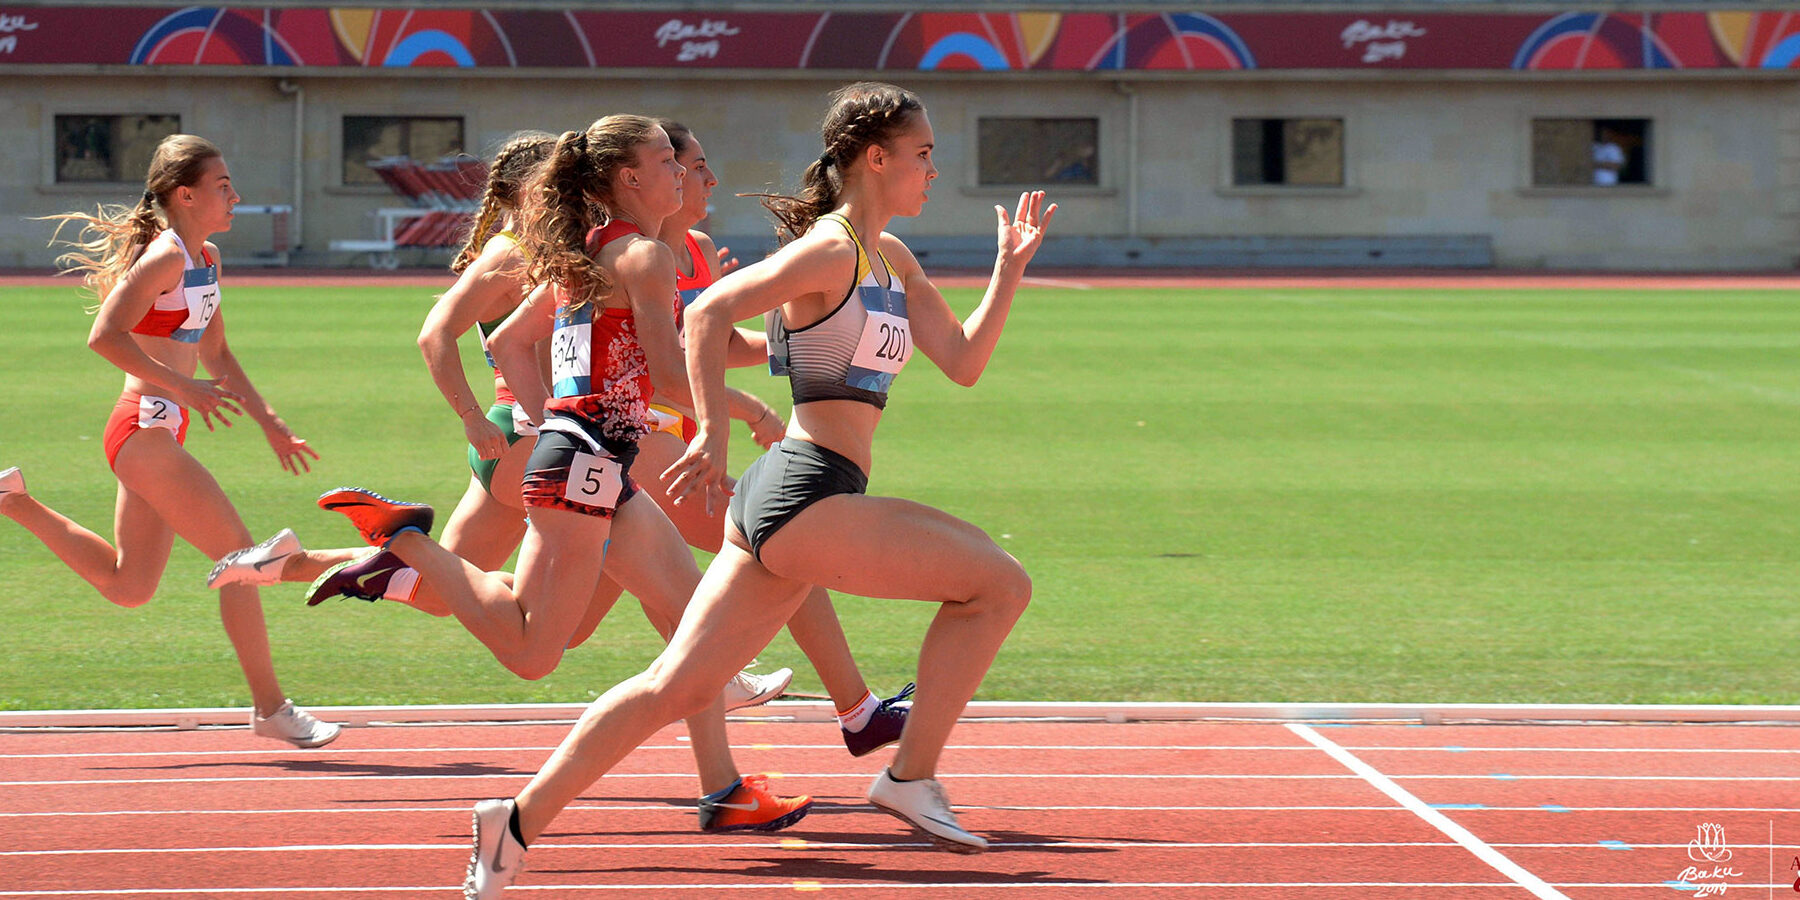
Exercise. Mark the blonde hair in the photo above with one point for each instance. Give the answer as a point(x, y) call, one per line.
point(512, 167)
point(109, 240)
point(864, 113)
point(569, 195)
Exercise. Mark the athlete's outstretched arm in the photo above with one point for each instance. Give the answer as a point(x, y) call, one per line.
point(962, 349)
point(222, 364)
point(488, 283)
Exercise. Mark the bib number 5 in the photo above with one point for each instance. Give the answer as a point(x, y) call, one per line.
point(594, 481)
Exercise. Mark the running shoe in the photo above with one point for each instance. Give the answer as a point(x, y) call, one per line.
point(883, 728)
point(923, 805)
point(748, 689)
point(259, 565)
point(363, 578)
point(12, 481)
point(749, 805)
point(295, 725)
point(376, 517)
point(498, 857)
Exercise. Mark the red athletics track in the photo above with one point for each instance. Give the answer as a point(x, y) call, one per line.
point(1075, 809)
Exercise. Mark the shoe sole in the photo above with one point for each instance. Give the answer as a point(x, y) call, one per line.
point(866, 752)
point(347, 500)
point(765, 697)
point(943, 843)
point(303, 745)
point(775, 824)
point(229, 558)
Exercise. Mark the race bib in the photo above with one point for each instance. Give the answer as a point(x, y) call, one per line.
point(522, 423)
point(594, 481)
point(202, 302)
point(571, 355)
point(886, 343)
point(159, 412)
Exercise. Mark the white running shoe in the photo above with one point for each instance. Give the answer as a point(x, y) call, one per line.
point(749, 689)
point(12, 480)
point(923, 805)
point(498, 857)
point(295, 725)
point(259, 565)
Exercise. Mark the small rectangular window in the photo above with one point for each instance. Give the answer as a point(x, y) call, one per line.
point(109, 148)
point(424, 139)
point(1032, 151)
point(1295, 152)
point(1598, 152)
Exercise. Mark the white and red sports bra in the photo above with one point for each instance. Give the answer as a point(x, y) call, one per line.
point(183, 313)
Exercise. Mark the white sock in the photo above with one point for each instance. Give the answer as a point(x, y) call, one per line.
point(860, 714)
point(402, 585)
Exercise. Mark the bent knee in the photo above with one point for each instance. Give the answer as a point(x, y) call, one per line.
point(533, 666)
point(681, 695)
point(129, 597)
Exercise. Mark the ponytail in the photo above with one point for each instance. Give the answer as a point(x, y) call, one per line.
point(861, 114)
point(511, 169)
point(112, 238)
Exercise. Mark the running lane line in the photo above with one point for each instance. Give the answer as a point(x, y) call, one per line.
point(1438, 820)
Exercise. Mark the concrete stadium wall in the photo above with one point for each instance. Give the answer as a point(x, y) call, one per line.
point(1424, 157)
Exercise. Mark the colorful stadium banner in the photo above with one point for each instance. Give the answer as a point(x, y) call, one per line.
point(1027, 41)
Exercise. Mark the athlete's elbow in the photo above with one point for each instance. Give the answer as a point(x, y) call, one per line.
point(967, 375)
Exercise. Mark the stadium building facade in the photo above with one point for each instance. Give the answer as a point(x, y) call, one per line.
point(1269, 134)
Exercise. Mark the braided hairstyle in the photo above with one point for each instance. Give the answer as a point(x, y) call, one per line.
point(507, 175)
point(567, 197)
point(861, 114)
point(111, 238)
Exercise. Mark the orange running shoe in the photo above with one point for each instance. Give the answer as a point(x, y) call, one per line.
point(376, 517)
point(749, 805)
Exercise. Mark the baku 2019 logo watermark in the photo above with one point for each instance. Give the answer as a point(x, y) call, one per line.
point(1708, 850)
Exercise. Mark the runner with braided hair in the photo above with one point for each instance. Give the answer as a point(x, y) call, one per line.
point(846, 304)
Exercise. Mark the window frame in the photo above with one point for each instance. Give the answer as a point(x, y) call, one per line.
point(334, 184)
point(1656, 158)
point(48, 184)
point(1228, 186)
point(1109, 151)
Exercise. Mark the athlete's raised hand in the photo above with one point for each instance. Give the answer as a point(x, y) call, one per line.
point(701, 470)
point(727, 262)
point(486, 437)
point(1021, 235)
point(291, 450)
point(768, 430)
point(211, 400)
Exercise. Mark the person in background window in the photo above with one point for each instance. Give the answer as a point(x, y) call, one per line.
point(157, 278)
point(1609, 158)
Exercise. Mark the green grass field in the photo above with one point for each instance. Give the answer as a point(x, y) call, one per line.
point(1261, 495)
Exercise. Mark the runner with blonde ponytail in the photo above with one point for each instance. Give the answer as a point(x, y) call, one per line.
point(156, 278)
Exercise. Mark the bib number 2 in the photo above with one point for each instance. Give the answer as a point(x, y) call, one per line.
point(158, 412)
point(594, 481)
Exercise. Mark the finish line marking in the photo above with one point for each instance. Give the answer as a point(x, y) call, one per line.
point(1436, 819)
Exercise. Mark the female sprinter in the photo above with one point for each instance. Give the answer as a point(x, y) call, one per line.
point(489, 522)
point(158, 320)
point(605, 300)
point(866, 722)
point(842, 321)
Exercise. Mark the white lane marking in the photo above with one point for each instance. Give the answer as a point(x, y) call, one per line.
point(1438, 820)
